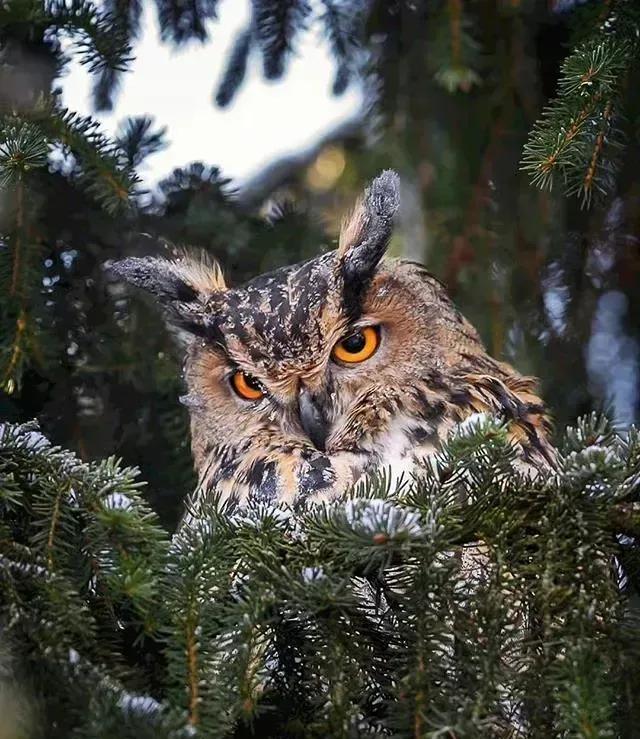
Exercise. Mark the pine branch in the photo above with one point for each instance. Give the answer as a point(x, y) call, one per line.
point(25, 145)
point(183, 21)
point(273, 28)
point(360, 615)
point(124, 16)
point(276, 23)
point(577, 141)
point(137, 141)
point(236, 68)
point(24, 149)
point(101, 35)
point(98, 161)
point(197, 578)
point(95, 510)
point(100, 42)
point(343, 23)
point(15, 288)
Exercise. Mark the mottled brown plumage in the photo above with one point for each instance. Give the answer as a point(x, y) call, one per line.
point(320, 424)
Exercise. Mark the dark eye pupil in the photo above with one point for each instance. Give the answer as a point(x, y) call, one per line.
point(354, 343)
point(252, 382)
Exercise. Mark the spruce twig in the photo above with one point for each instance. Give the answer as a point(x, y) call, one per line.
point(576, 142)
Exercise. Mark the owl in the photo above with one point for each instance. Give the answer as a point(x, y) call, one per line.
point(305, 380)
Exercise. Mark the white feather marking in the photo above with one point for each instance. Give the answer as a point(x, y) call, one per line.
point(396, 452)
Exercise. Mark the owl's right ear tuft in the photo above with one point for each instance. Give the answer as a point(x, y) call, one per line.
point(157, 276)
point(182, 286)
point(183, 280)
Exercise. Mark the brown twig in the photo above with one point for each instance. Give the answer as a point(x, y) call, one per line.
point(192, 668)
point(16, 351)
point(462, 253)
point(15, 290)
point(455, 26)
point(17, 254)
point(417, 719)
point(587, 183)
point(52, 530)
point(548, 163)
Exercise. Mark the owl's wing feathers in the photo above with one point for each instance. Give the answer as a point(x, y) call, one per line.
point(514, 398)
point(477, 383)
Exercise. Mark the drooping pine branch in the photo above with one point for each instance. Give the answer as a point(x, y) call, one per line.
point(344, 25)
point(100, 43)
point(454, 51)
point(276, 23)
point(273, 30)
point(137, 140)
point(124, 16)
point(235, 69)
point(183, 21)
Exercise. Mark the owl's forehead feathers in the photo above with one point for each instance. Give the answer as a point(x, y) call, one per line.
point(283, 317)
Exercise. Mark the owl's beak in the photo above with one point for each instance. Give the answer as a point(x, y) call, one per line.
point(312, 418)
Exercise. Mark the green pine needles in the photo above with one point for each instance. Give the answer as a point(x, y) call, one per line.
point(576, 145)
point(476, 601)
point(96, 166)
point(38, 138)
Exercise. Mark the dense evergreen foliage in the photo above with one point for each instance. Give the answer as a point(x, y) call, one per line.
point(363, 616)
point(474, 601)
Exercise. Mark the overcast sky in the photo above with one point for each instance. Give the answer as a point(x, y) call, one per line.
point(265, 120)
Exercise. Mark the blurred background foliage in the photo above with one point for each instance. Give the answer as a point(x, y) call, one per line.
point(514, 126)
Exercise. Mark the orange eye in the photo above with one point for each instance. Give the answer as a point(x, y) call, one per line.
point(246, 387)
point(358, 346)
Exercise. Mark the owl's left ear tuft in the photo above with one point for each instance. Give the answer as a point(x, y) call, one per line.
point(365, 235)
point(366, 232)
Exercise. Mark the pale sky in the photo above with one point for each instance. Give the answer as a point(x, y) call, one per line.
point(177, 86)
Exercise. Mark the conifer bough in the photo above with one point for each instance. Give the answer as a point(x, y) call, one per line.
point(577, 142)
point(473, 602)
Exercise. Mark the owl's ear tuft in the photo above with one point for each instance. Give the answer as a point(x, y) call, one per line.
point(184, 280)
point(365, 234)
point(202, 274)
point(181, 286)
point(157, 276)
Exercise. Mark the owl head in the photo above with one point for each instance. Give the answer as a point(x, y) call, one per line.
point(303, 378)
